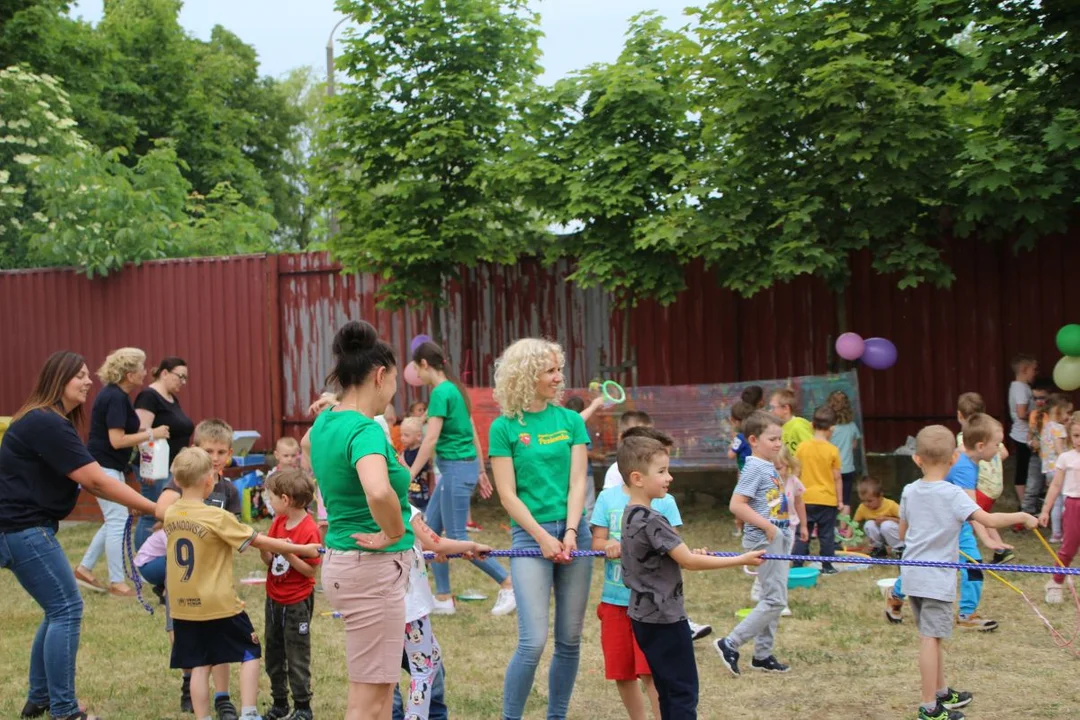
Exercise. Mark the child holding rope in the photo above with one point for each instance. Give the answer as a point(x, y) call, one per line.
point(989, 485)
point(759, 501)
point(653, 556)
point(932, 514)
point(1066, 484)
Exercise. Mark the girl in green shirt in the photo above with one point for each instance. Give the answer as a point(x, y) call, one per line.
point(538, 456)
point(369, 540)
point(451, 436)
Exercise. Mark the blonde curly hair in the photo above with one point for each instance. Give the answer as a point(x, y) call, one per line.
point(120, 363)
point(517, 370)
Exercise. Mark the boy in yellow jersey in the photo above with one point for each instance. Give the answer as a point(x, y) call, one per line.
point(209, 622)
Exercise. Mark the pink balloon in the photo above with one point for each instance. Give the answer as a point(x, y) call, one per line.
point(411, 376)
point(850, 346)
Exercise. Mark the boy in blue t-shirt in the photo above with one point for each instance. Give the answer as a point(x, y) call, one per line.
point(740, 449)
point(624, 662)
point(982, 436)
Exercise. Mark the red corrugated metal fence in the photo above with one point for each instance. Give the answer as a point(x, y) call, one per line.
point(256, 330)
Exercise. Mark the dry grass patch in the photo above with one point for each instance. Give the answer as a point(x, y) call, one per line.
point(846, 661)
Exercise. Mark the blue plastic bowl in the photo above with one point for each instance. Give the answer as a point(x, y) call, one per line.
point(802, 577)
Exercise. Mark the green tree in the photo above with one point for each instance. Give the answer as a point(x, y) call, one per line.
point(307, 227)
point(416, 133)
point(611, 146)
point(821, 138)
point(35, 122)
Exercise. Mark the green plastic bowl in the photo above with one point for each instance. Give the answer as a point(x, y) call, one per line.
point(802, 577)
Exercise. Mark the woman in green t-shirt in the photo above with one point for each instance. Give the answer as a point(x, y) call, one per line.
point(451, 436)
point(369, 540)
point(538, 456)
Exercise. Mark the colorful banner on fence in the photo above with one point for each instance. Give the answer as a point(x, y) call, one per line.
point(698, 417)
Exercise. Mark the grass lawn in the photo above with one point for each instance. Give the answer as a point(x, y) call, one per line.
point(847, 662)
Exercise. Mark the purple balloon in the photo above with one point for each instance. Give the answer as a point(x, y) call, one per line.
point(417, 342)
point(879, 354)
point(850, 346)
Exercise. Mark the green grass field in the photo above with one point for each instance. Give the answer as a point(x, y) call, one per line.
point(847, 662)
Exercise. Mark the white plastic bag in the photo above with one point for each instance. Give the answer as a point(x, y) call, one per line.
point(154, 460)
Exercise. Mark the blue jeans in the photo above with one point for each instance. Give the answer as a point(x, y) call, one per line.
point(449, 510)
point(534, 579)
point(144, 528)
point(110, 537)
point(438, 709)
point(43, 570)
point(971, 581)
point(154, 571)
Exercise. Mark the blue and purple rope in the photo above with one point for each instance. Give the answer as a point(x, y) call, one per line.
point(840, 559)
point(129, 563)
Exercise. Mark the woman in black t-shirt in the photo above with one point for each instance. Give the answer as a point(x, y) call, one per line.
point(114, 431)
point(159, 404)
point(43, 462)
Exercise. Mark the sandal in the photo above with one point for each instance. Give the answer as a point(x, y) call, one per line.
point(81, 715)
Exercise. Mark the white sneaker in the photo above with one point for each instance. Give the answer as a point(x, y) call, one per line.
point(755, 591)
point(786, 612)
point(1054, 595)
point(444, 607)
point(505, 603)
point(698, 631)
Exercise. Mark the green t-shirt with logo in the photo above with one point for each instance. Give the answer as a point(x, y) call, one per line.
point(338, 441)
point(540, 448)
point(456, 439)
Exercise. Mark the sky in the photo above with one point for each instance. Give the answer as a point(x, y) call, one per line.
point(291, 33)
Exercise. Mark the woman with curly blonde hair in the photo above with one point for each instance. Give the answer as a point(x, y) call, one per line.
point(114, 431)
point(538, 456)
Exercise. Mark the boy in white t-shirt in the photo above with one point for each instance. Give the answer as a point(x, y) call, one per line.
point(629, 419)
point(422, 651)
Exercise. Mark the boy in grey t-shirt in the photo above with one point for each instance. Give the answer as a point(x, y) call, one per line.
point(652, 556)
point(932, 513)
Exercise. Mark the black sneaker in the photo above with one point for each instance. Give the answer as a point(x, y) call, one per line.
point(185, 697)
point(33, 710)
point(939, 713)
point(879, 552)
point(159, 591)
point(769, 664)
point(831, 570)
point(728, 655)
point(301, 714)
point(954, 700)
point(225, 709)
point(277, 712)
point(1003, 556)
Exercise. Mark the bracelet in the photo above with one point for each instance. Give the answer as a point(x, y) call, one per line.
point(569, 529)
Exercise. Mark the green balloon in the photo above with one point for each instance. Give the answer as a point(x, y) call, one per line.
point(1067, 373)
point(1068, 340)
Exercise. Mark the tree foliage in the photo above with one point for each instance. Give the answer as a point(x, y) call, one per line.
point(138, 80)
point(416, 136)
point(611, 148)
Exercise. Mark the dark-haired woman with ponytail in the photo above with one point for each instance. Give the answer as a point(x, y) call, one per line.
point(451, 437)
point(369, 540)
point(43, 463)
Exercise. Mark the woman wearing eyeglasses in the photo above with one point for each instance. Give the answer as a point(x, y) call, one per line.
point(159, 404)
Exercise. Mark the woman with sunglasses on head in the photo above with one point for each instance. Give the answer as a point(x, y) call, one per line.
point(159, 404)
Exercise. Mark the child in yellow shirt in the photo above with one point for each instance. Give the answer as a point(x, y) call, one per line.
point(879, 517)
